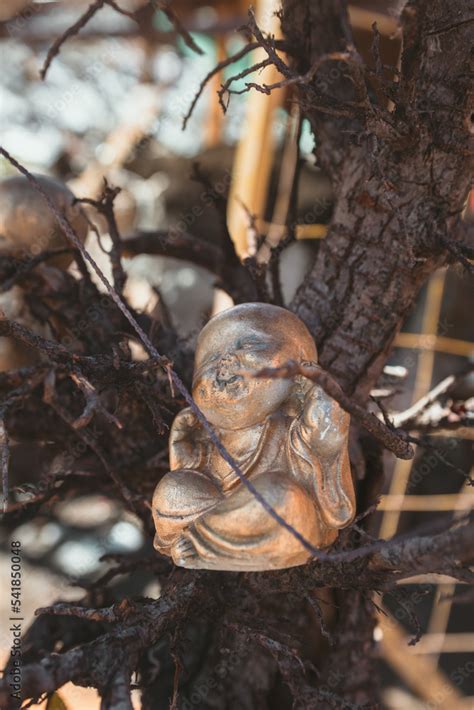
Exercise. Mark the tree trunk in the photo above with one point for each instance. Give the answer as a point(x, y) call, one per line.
point(400, 178)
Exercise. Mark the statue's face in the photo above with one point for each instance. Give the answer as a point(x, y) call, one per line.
point(243, 340)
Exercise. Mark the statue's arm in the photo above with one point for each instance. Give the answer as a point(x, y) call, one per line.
point(187, 447)
point(324, 429)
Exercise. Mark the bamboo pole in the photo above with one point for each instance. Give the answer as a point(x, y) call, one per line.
point(438, 343)
point(417, 672)
point(427, 503)
point(424, 373)
point(254, 156)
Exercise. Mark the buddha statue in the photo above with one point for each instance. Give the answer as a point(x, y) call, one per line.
point(28, 227)
point(288, 437)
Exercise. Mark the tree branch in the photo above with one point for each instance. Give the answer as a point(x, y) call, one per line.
point(138, 626)
point(394, 440)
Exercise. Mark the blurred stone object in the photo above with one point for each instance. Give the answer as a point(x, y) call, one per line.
point(28, 227)
point(86, 511)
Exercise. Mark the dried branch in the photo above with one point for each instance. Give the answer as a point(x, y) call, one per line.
point(394, 440)
point(165, 6)
point(91, 661)
point(139, 625)
point(250, 47)
point(291, 78)
point(225, 88)
point(93, 403)
point(105, 206)
point(73, 30)
point(51, 398)
point(175, 244)
point(304, 79)
point(408, 417)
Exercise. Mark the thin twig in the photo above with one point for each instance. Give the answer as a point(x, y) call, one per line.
point(105, 206)
point(218, 68)
point(225, 87)
point(70, 32)
point(93, 403)
point(165, 7)
point(80, 23)
point(406, 418)
point(50, 398)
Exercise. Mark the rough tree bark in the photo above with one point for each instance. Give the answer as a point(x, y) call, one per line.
point(400, 177)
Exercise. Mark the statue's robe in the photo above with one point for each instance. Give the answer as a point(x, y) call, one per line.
point(203, 497)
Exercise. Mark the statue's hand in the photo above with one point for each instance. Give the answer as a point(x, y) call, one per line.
point(324, 430)
point(325, 424)
point(187, 441)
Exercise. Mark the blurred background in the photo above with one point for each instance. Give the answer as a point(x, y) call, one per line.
point(113, 105)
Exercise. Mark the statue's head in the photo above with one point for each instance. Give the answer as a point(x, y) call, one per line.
point(247, 338)
point(28, 226)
